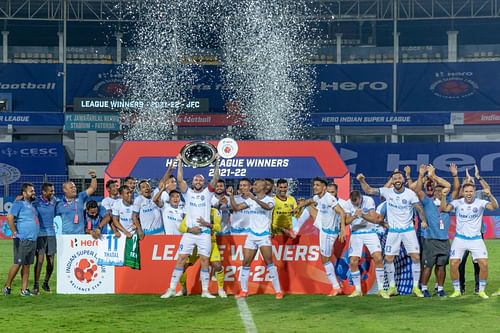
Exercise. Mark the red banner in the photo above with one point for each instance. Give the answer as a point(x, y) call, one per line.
point(481, 118)
point(298, 262)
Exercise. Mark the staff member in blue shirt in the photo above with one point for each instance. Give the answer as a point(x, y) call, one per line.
point(23, 222)
point(46, 243)
point(71, 207)
point(435, 243)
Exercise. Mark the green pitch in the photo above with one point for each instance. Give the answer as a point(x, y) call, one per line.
point(317, 313)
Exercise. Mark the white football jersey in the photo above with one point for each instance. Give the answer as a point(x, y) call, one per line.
point(198, 204)
point(469, 216)
point(149, 213)
point(124, 213)
point(240, 221)
point(172, 218)
point(326, 217)
point(260, 218)
point(360, 224)
point(399, 207)
point(108, 202)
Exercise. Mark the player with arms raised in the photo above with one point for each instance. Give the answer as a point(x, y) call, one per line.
point(400, 203)
point(198, 205)
point(469, 212)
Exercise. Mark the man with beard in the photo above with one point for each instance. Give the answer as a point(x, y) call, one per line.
point(146, 212)
point(333, 189)
point(364, 221)
point(259, 208)
point(330, 227)
point(122, 213)
point(469, 213)
point(93, 216)
point(400, 203)
point(220, 201)
point(269, 186)
point(105, 223)
point(284, 206)
point(46, 244)
point(435, 243)
point(71, 207)
point(24, 224)
point(131, 182)
point(198, 205)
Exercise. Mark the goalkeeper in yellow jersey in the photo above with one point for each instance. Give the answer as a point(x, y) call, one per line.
point(215, 259)
point(284, 207)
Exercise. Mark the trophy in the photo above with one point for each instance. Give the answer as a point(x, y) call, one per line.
point(198, 154)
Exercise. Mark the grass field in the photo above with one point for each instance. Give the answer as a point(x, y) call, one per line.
point(313, 313)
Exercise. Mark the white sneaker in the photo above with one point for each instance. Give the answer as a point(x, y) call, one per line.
point(222, 293)
point(182, 292)
point(169, 293)
point(206, 294)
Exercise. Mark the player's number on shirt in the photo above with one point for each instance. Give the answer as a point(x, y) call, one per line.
point(110, 239)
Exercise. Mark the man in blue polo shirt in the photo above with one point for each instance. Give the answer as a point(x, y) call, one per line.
point(71, 207)
point(23, 222)
point(46, 242)
point(435, 244)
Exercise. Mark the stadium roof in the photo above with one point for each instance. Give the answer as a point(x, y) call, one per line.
point(319, 10)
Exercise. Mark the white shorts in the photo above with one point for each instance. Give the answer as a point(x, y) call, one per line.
point(476, 247)
point(394, 239)
point(253, 242)
point(326, 242)
point(202, 241)
point(358, 240)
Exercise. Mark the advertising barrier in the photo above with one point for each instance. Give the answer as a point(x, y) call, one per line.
point(298, 263)
point(77, 269)
point(346, 88)
point(379, 160)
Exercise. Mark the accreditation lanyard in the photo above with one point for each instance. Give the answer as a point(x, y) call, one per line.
point(75, 210)
point(34, 212)
point(90, 221)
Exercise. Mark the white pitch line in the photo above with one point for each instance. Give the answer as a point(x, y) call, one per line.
point(246, 316)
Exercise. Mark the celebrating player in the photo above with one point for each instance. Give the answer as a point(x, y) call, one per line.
point(469, 212)
point(364, 221)
point(259, 208)
point(284, 206)
point(146, 212)
point(400, 204)
point(198, 204)
point(330, 227)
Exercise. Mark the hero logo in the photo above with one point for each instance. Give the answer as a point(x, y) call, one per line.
point(351, 86)
point(442, 162)
point(486, 163)
point(453, 85)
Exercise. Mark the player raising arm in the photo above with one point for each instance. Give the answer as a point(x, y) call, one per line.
point(469, 213)
point(400, 204)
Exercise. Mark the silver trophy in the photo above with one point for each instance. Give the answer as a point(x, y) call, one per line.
point(198, 154)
